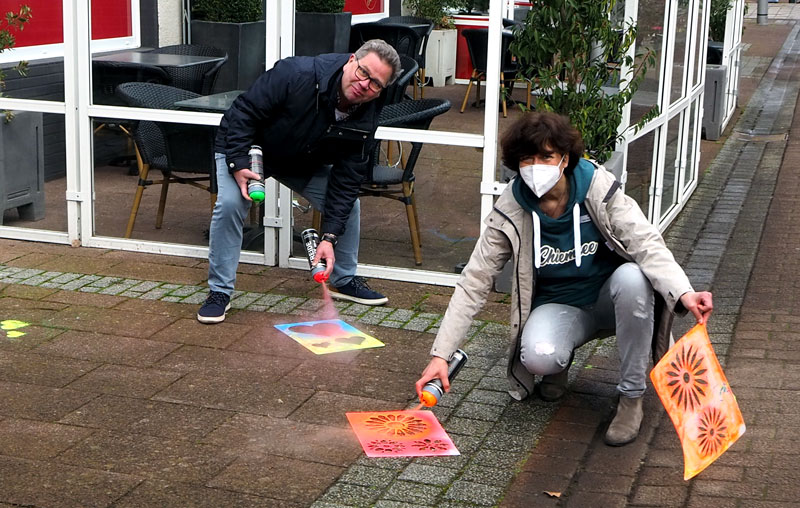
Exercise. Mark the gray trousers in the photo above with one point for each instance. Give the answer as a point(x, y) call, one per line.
point(625, 305)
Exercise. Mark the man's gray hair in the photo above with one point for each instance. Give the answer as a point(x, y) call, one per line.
point(385, 52)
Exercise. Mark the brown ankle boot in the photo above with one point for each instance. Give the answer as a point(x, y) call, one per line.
point(554, 386)
point(625, 426)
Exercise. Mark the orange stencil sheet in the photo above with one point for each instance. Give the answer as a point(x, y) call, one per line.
point(401, 434)
point(328, 336)
point(690, 382)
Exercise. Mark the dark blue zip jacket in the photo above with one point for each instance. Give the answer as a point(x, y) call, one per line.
point(289, 112)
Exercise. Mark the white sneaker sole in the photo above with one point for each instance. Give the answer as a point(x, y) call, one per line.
point(210, 320)
point(341, 296)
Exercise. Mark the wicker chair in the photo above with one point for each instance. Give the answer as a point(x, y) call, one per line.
point(395, 182)
point(168, 147)
point(424, 27)
point(195, 78)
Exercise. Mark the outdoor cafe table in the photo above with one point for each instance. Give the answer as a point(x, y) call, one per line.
point(216, 103)
point(157, 59)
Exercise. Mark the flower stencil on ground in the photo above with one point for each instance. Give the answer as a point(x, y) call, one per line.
point(401, 434)
point(396, 425)
point(386, 446)
point(430, 445)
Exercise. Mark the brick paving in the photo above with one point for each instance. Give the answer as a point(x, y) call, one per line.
point(113, 395)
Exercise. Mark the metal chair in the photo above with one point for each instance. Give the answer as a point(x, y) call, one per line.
point(396, 92)
point(168, 147)
point(477, 44)
point(196, 78)
point(424, 27)
point(395, 182)
point(404, 39)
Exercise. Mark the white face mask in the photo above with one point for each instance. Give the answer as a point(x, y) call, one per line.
point(541, 177)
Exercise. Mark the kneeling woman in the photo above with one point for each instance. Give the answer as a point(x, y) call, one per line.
point(587, 263)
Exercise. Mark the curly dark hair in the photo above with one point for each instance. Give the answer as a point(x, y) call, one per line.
point(538, 133)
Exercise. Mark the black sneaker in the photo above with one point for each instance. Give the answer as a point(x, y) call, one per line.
point(214, 309)
point(358, 291)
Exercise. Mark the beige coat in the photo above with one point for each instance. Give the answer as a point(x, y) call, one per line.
point(509, 234)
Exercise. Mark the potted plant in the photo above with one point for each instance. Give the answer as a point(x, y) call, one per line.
point(574, 53)
point(320, 26)
point(21, 141)
point(440, 55)
point(238, 27)
point(716, 29)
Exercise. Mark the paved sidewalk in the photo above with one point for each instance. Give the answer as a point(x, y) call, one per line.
point(113, 395)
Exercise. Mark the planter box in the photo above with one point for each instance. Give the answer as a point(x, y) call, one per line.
point(317, 33)
point(714, 101)
point(245, 44)
point(440, 57)
point(22, 166)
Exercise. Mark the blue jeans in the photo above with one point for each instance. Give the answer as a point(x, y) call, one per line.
point(231, 210)
point(626, 304)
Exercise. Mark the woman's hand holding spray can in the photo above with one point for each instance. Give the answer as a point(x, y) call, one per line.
point(433, 390)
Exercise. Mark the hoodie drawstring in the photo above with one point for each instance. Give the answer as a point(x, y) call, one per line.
point(576, 232)
point(537, 241)
point(576, 235)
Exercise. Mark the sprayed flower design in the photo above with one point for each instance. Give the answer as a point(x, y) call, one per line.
point(430, 445)
point(687, 378)
point(386, 446)
point(396, 424)
point(713, 431)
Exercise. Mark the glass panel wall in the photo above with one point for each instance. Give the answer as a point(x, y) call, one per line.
point(33, 172)
point(640, 169)
point(673, 158)
point(650, 35)
point(679, 52)
point(32, 143)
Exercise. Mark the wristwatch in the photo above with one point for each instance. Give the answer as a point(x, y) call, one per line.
point(329, 237)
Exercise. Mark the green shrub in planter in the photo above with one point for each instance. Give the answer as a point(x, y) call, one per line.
point(319, 5)
point(719, 12)
point(228, 11)
point(437, 11)
point(10, 23)
point(573, 51)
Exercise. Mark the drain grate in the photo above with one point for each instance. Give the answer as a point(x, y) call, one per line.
point(761, 138)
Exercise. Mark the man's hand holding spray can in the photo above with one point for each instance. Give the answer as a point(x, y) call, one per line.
point(310, 239)
point(255, 188)
point(433, 390)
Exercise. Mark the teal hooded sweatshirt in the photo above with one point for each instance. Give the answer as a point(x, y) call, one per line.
point(561, 276)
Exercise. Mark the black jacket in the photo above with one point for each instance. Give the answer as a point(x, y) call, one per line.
point(289, 112)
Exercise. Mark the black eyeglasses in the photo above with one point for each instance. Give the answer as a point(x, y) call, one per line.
point(362, 74)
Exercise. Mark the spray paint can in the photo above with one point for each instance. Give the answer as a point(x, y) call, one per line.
point(310, 239)
point(255, 188)
point(433, 390)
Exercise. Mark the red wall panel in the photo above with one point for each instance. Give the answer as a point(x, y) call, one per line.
point(110, 19)
point(363, 6)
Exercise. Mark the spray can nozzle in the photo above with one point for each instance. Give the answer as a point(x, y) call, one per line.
point(255, 188)
point(310, 239)
point(433, 390)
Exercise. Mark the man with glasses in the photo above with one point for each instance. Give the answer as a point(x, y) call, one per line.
point(315, 120)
